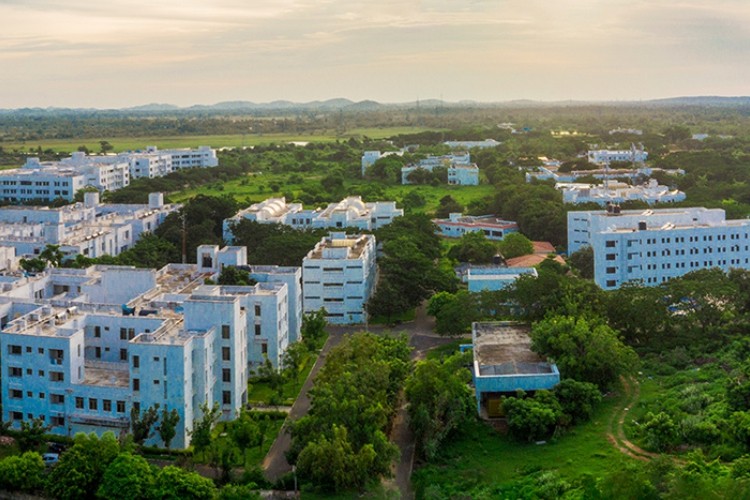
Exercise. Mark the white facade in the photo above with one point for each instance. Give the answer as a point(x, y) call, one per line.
point(653, 246)
point(487, 143)
point(460, 169)
point(211, 259)
point(618, 192)
point(71, 356)
point(349, 212)
point(202, 157)
point(339, 276)
point(607, 156)
point(40, 182)
point(90, 228)
point(456, 225)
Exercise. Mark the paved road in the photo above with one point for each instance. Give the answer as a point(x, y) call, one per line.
point(275, 464)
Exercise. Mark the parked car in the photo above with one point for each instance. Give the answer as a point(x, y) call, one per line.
point(50, 459)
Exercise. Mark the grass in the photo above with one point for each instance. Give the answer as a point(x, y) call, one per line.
point(257, 187)
point(253, 456)
point(446, 350)
point(262, 393)
point(215, 141)
point(482, 456)
point(401, 318)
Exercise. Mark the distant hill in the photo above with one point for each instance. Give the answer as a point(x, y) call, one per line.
point(344, 104)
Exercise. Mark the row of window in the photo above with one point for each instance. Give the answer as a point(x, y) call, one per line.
point(55, 420)
point(17, 372)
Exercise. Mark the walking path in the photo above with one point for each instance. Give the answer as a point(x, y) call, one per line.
point(615, 429)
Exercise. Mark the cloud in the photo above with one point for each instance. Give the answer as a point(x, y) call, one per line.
point(185, 51)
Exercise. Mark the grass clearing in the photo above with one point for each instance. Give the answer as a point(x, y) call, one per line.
point(261, 393)
point(215, 141)
point(395, 320)
point(258, 186)
point(482, 456)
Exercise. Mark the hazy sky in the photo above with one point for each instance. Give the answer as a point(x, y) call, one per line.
point(117, 53)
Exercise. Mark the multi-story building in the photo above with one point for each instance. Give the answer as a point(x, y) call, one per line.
point(36, 182)
point(339, 275)
point(652, 246)
point(89, 228)
point(460, 169)
point(212, 259)
point(82, 347)
point(349, 212)
point(456, 225)
point(635, 154)
point(618, 192)
point(48, 181)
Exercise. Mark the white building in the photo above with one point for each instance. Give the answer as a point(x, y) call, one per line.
point(349, 212)
point(485, 144)
point(456, 225)
point(339, 276)
point(460, 169)
point(89, 228)
point(652, 246)
point(607, 156)
point(203, 157)
point(36, 182)
point(618, 192)
point(212, 259)
point(81, 347)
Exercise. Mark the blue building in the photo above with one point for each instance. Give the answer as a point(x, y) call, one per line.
point(493, 228)
point(494, 278)
point(504, 363)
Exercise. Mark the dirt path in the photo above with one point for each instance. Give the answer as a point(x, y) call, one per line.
point(616, 430)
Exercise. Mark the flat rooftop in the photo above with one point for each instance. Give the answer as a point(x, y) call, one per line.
point(355, 243)
point(504, 348)
point(106, 374)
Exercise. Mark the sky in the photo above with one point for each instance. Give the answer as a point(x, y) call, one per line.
point(120, 53)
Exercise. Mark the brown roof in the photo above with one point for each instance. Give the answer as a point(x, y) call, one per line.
point(541, 250)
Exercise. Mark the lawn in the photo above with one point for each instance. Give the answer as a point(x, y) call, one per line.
point(395, 320)
point(261, 393)
point(257, 187)
point(482, 456)
point(215, 141)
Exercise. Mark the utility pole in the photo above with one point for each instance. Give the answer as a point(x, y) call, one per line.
point(183, 218)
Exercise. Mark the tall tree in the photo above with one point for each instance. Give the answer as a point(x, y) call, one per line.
point(167, 427)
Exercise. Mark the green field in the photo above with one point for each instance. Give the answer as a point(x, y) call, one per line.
point(482, 456)
point(257, 187)
point(215, 141)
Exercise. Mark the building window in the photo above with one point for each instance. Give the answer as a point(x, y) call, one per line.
point(15, 371)
point(57, 399)
point(136, 384)
point(57, 376)
point(257, 309)
point(14, 350)
point(16, 394)
point(226, 375)
point(136, 361)
point(610, 256)
point(57, 421)
point(264, 348)
point(93, 404)
point(97, 331)
point(123, 334)
point(121, 407)
point(225, 354)
point(226, 397)
point(123, 354)
point(79, 403)
point(257, 329)
point(97, 352)
point(611, 270)
point(225, 331)
point(611, 283)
